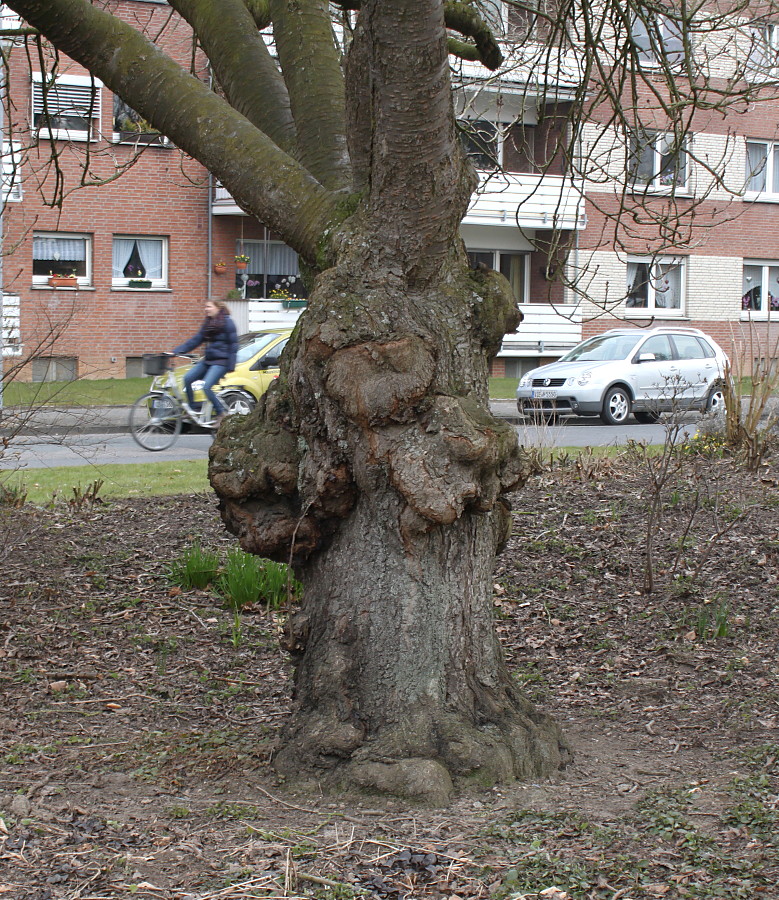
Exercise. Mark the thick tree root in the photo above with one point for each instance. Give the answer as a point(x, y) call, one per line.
point(423, 761)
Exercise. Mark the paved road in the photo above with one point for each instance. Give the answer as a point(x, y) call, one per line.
point(31, 452)
point(78, 449)
point(591, 432)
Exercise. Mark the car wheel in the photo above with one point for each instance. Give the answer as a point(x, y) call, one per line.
point(715, 402)
point(238, 403)
point(616, 406)
point(646, 418)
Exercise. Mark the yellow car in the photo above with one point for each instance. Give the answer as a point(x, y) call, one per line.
point(256, 365)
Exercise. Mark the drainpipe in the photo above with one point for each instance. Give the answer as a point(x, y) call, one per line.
point(209, 212)
point(210, 238)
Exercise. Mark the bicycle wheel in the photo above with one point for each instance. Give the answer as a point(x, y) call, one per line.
point(155, 421)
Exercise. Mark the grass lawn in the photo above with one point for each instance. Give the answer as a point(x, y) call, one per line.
point(119, 480)
point(125, 391)
point(82, 392)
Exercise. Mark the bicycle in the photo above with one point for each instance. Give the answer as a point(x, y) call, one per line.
point(156, 418)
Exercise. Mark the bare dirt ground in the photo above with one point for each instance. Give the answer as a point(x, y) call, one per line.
point(135, 737)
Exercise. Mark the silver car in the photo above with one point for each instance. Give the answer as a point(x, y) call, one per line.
point(643, 371)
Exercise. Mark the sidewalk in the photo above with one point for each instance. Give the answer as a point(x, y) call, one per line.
point(66, 420)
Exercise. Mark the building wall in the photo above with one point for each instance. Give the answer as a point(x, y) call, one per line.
point(159, 192)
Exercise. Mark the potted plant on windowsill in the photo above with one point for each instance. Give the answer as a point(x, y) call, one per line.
point(220, 267)
point(241, 261)
point(139, 283)
point(59, 281)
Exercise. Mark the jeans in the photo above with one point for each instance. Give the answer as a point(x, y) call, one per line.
point(210, 375)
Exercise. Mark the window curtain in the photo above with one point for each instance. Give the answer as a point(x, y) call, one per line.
point(638, 281)
point(512, 266)
point(752, 288)
point(149, 252)
point(756, 166)
point(65, 249)
point(272, 258)
point(641, 41)
point(668, 287)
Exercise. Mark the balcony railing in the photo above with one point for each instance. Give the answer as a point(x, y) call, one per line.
point(545, 331)
point(532, 201)
point(10, 322)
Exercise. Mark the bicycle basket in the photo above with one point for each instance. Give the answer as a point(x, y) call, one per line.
point(155, 363)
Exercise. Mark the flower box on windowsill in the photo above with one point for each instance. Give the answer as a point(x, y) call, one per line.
point(139, 283)
point(294, 303)
point(63, 281)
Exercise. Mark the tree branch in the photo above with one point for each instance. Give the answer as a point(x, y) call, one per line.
point(260, 12)
point(303, 34)
point(229, 37)
point(264, 180)
point(465, 19)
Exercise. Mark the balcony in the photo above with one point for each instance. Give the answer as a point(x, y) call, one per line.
point(530, 201)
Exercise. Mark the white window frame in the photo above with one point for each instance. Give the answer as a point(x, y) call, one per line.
point(769, 170)
point(646, 35)
point(76, 91)
point(769, 299)
point(157, 283)
point(495, 264)
point(152, 138)
point(654, 140)
point(500, 136)
point(763, 58)
point(652, 309)
point(62, 269)
point(10, 175)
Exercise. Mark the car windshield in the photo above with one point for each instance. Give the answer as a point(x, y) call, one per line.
point(249, 345)
point(603, 347)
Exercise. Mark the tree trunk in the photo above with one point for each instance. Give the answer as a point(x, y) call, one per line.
point(374, 457)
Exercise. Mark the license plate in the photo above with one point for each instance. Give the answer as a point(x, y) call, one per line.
point(544, 395)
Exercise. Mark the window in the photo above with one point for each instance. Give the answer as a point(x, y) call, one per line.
point(513, 266)
point(273, 268)
point(760, 291)
point(55, 253)
point(762, 167)
point(55, 368)
point(658, 39)
point(657, 160)
point(66, 107)
point(533, 20)
point(492, 12)
point(131, 127)
point(10, 180)
point(689, 346)
point(139, 262)
point(655, 286)
point(482, 143)
point(763, 53)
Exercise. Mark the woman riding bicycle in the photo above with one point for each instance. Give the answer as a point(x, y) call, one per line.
point(219, 334)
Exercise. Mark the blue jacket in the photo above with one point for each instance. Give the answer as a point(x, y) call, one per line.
point(221, 348)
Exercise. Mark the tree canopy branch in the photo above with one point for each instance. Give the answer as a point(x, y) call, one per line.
point(228, 36)
point(264, 180)
point(465, 19)
point(303, 34)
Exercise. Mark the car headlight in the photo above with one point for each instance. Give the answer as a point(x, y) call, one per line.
point(584, 377)
point(524, 381)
